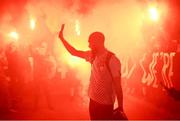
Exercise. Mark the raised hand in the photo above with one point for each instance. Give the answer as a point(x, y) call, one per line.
point(61, 32)
point(68, 46)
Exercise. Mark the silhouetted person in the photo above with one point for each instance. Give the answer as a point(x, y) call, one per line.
point(16, 70)
point(105, 79)
point(4, 99)
point(43, 72)
point(174, 93)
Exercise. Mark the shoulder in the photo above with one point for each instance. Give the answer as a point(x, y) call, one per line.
point(114, 61)
point(113, 58)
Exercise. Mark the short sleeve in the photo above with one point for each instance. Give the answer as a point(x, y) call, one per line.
point(88, 56)
point(115, 66)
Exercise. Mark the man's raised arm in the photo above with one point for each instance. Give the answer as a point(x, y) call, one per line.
point(69, 47)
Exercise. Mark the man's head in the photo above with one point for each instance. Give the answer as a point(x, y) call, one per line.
point(96, 41)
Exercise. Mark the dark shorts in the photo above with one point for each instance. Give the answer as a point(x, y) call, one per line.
point(100, 111)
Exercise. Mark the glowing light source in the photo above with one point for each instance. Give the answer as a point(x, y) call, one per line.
point(32, 23)
point(153, 13)
point(77, 27)
point(73, 61)
point(14, 35)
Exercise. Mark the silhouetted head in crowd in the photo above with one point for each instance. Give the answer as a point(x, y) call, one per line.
point(96, 41)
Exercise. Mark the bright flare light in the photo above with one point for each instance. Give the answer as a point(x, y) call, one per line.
point(14, 35)
point(73, 61)
point(77, 27)
point(153, 13)
point(32, 24)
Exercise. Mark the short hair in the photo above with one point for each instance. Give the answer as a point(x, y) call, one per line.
point(97, 36)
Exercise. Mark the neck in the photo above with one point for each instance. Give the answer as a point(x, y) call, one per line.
point(100, 51)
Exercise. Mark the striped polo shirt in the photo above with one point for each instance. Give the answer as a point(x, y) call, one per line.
point(101, 87)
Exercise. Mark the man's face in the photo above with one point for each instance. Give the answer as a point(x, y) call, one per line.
point(96, 41)
point(92, 45)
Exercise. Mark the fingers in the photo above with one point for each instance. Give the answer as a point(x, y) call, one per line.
point(62, 27)
point(61, 31)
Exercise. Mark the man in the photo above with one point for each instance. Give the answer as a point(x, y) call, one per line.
point(104, 82)
point(16, 69)
point(172, 91)
point(43, 71)
point(4, 107)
